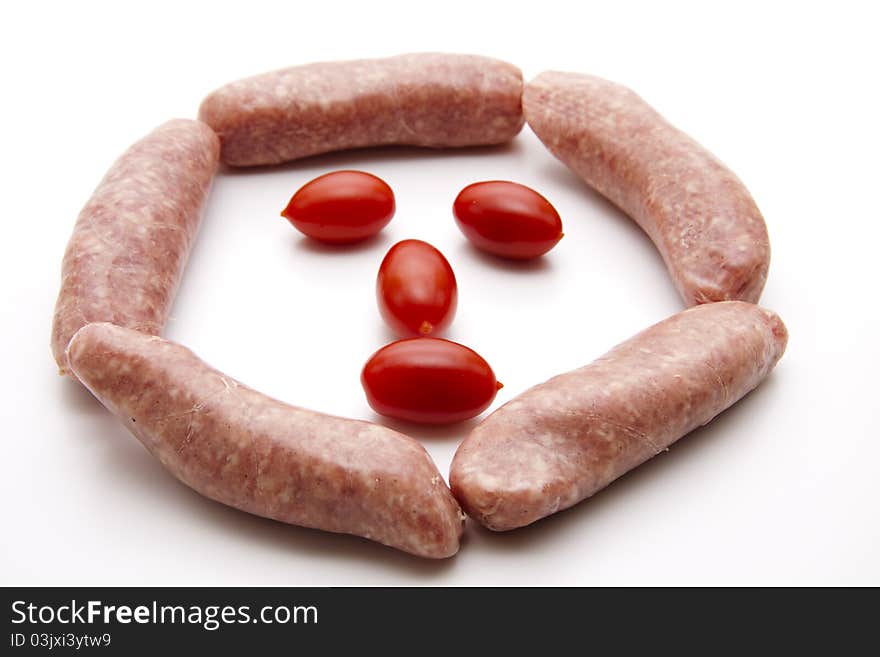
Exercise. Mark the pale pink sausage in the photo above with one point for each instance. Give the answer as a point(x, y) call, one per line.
point(132, 239)
point(696, 211)
point(562, 441)
point(246, 450)
point(421, 99)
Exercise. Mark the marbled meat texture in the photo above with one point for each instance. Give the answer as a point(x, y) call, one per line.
point(567, 438)
point(697, 212)
point(239, 447)
point(422, 99)
point(131, 242)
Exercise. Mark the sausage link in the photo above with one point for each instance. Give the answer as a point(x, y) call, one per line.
point(696, 211)
point(132, 239)
point(422, 99)
point(563, 440)
point(244, 449)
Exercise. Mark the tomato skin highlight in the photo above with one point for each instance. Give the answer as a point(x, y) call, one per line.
point(428, 380)
point(341, 207)
point(416, 289)
point(507, 219)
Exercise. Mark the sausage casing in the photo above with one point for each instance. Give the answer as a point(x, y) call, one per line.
point(420, 99)
point(132, 239)
point(563, 440)
point(696, 211)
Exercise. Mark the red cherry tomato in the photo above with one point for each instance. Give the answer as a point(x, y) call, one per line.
point(507, 219)
point(341, 207)
point(416, 289)
point(428, 380)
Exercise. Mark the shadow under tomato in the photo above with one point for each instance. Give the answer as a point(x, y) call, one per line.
point(439, 432)
point(384, 334)
point(540, 264)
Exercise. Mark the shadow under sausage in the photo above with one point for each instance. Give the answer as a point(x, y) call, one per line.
point(637, 481)
point(149, 479)
point(378, 242)
point(359, 157)
point(76, 397)
point(303, 540)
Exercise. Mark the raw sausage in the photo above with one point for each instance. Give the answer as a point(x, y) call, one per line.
point(422, 99)
point(696, 211)
point(567, 438)
point(239, 447)
point(132, 239)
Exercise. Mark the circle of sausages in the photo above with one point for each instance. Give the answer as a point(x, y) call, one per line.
point(542, 451)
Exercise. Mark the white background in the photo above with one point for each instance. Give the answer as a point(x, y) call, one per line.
point(781, 489)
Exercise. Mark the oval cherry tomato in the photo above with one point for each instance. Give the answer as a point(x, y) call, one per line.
point(416, 289)
point(341, 207)
point(507, 219)
point(428, 380)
